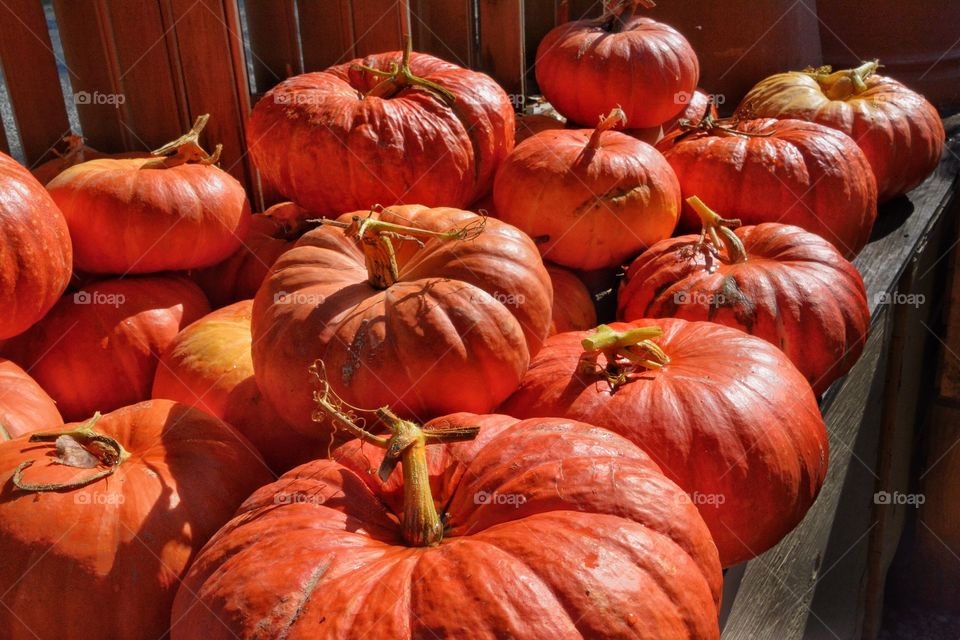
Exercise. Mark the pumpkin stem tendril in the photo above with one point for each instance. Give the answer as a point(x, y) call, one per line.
point(720, 232)
point(625, 352)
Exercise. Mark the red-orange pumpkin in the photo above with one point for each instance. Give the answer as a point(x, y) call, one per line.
point(573, 308)
point(35, 249)
point(208, 365)
point(726, 416)
point(144, 215)
point(786, 171)
point(432, 133)
point(898, 130)
point(106, 546)
point(240, 275)
point(451, 326)
point(552, 529)
point(97, 349)
point(75, 152)
point(698, 105)
point(778, 282)
point(24, 405)
point(588, 67)
point(592, 198)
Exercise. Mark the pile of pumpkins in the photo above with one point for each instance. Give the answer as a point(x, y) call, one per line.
point(238, 389)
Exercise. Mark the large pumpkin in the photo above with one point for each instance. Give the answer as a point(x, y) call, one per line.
point(899, 131)
point(432, 310)
point(24, 405)
point(786, 171)
point(573, 308)
point(108, 514)
point(240, 275)
point(144, 215)
point(35, 249)
point(98, 348)
point(726, 416)
point(552, 529)
point(430, 133)
point(208, 365)
point(588, 67)
point(592, 198)
point(778, 282)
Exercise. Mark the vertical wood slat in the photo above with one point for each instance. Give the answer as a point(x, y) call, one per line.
point(326, 33)
point(33, 82)
point(501, 44)
point(377, 25)
point(274, 41)
point(444, 29)
point(539, 18)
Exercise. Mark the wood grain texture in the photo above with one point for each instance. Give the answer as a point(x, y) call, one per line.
point(326, 33)
point(274, 41)
point(501, 44)
point(539, 18)
point(444, 29)
point(377, 26)
point(33, 83)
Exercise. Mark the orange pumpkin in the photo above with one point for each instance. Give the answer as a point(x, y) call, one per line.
point(24, 405)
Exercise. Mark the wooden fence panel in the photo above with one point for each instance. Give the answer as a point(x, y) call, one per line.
point(539, 18)
point(326, 33)
point(501, 43)
point(33, 82)
point(274, 41)
point(444, 29)
point(378, 25)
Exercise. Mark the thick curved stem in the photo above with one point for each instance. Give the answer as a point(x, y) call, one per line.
point(624, 351)
point(421, 525)
point(719, 230)
point(400, 77)
point(185, 149)
point(616, 118)
point(843, 84)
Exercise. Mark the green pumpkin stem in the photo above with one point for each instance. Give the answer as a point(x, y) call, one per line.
point(407, 445)
point(840, 85)
point(624, 351)
point(185, 149)
point(400, 77)
point(719, 231)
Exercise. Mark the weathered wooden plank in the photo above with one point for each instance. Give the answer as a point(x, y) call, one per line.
point(578, 9)
point(501, 44)
point(33, 82)
point(539, 18)
point(326, 33)
point(377, 26)
point(444, 29)
point(274, 41)
point(948, 383)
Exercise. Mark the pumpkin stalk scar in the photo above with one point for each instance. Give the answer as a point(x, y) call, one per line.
point(400, 77)
point(626, 353)
point(719, 231)
point(185, 149)
point(308, 590)
point(421, 525)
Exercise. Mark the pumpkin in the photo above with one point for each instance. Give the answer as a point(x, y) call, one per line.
point(552, 529)
point(531, 125)
point(239, 275)
point(899, 131)
point(100, 519)
point(35, 249)
point(24, 405)
point(75, 152)
point(144, 215)
point(697, 106)
point(726, 415)
point(592, 198)
point(98, 348)
point(786, 171)
point(586, 67)
point(573, 308)
point(208, 365)
point(778, 282)
point(403, 127)
point(432, 310)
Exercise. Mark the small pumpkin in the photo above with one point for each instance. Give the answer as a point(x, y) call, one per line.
point(75, 152)
point(726, 415)
point(145, 215)
point(98, 348)
point(786, 171)
point(778, 282)
point(35, 249)
point(100, 519)
point(592, 198)
point(208, 365)
point(586, 67)
point(899, 131)
point(24, 405)
point(404, 127)
point(552, 529)
point(573, 308)
point(433, 310)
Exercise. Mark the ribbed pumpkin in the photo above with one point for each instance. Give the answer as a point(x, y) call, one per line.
point(35, 249)
point(145, 215)
point(208, 365)
point(786, 171)
point(778, 282)
point(552, 529)
point(98, 348)
point(726, 415)
point(101, 519)
point(24, 405)
point(588, 67)
point(573, 308)
point(403, 127)
point(432, 310)
point(899, 131)
point(592, 198)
